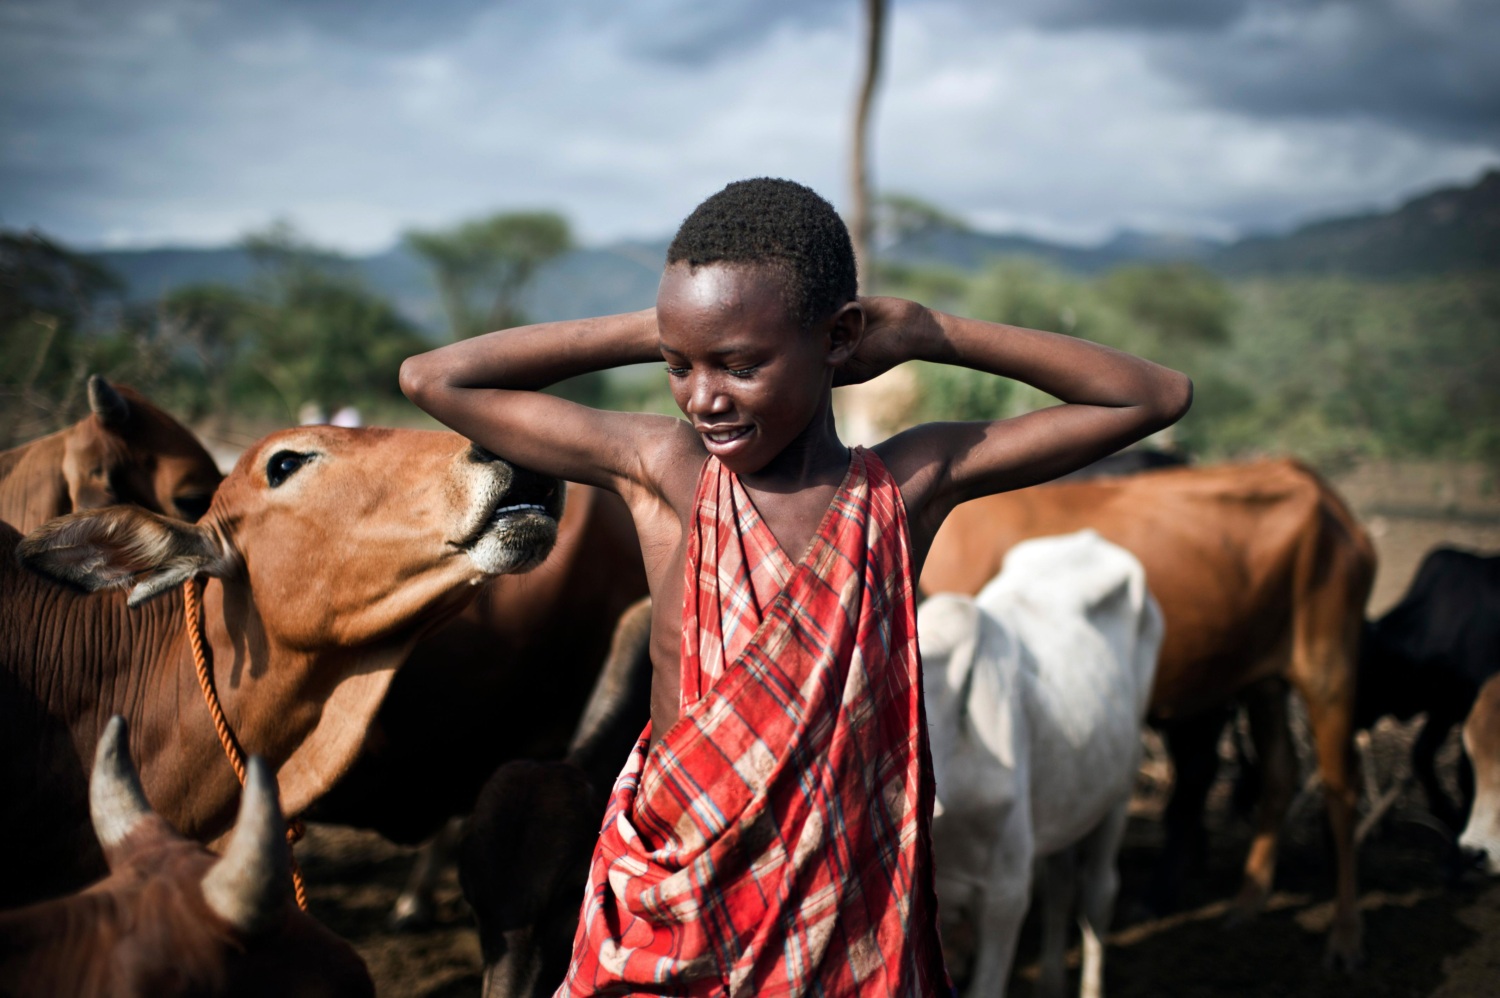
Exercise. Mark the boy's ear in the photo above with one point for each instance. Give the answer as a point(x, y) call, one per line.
point(846, 331)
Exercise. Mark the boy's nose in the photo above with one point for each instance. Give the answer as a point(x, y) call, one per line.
point(706, 399)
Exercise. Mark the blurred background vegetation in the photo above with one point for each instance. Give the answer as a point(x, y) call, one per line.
point(1294, 347)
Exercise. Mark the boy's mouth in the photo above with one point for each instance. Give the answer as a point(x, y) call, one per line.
point(724, 436)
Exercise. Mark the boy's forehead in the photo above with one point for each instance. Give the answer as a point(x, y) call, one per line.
point(721, 287)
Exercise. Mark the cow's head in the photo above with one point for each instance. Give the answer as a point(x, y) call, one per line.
point(1481, 837)
point(343, 536)
point(181, 920)
point(129, 451)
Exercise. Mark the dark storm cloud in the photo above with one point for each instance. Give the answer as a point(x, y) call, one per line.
point(147, 120)
point(1150, 15)
point(1430, 67)
point(1427, 66)
point(696, 33)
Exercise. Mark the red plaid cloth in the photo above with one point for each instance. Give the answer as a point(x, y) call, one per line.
point(776, 841)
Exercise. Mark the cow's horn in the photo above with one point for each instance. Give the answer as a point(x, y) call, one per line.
point(109, 405)
point(117, 803)
point(249, 887)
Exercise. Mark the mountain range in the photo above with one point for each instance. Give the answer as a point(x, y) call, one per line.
point(1453, 230)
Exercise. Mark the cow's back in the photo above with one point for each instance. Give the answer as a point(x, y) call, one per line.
point(1088, 634)
point(32, 488)
point(1450, 617)
point(1224, 548)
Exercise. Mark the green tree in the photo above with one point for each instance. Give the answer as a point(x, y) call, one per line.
point(212, 324)
point(50, 303)
point(482, 267)
point(901, 216)
point(1181, 303)
point(328, 339)
point(307, 330)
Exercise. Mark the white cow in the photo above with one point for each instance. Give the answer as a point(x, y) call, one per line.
point(1036, 691)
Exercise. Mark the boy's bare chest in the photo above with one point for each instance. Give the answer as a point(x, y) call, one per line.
point(793, 520)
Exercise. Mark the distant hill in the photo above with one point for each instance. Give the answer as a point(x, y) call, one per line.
point(970, 250)
point(598, 281)
point(1451, 230)
point(1456, 229)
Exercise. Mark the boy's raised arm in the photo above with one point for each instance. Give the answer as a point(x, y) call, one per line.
point(1110, 399)
point(486, 388)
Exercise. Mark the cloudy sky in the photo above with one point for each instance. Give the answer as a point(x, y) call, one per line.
point(149, 122)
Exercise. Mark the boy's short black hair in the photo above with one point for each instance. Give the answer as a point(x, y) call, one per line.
point(784, 225)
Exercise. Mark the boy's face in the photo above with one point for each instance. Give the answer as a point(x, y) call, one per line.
point(742, 368)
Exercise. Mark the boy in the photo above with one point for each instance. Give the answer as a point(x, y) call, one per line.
point(770, 833)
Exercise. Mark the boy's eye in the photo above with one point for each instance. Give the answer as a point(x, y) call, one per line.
point(743, 372)
point(677, 372)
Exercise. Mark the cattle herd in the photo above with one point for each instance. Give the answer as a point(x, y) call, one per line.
point(410, 635)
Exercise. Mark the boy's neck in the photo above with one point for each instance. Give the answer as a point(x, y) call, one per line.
point(814, 457)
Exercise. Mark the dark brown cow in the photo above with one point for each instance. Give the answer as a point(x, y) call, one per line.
point(1262, 575)
point(328, 552)
point(524, 858)
point(125, 451)
point(172, 918)
point(1481, 836)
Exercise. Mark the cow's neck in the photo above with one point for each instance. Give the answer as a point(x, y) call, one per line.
point(32, 487)
point(305, 710)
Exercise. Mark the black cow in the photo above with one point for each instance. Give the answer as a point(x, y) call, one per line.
point(1431, 653)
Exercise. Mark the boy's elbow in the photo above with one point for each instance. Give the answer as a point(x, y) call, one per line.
point(416, 377)
point(1176, 397)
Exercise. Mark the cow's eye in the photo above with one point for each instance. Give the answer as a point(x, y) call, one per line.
point(193, 505)
point(283, 464)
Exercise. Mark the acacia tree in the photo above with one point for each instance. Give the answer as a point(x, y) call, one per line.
point(482, 267)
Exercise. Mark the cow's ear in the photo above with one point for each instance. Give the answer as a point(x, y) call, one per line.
point(123, 546)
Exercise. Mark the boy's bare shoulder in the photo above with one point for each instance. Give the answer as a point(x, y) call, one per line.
point(930, 464)
point(918, 459)
point(664, 460)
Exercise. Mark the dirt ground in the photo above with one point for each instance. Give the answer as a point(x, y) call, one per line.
point(1424, 936)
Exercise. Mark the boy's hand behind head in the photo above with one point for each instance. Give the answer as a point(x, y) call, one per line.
point(895, 331)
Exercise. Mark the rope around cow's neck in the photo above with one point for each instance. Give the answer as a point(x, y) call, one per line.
point(232, 749)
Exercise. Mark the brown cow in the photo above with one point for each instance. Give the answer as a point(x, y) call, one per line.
point(172, 918)
point(328, 553)
point(125, 451)
point(1481, 836)
point(469, 697)
point(1262, 575)
point(506, 680)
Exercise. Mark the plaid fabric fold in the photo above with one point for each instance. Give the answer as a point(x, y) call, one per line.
point(776, 840)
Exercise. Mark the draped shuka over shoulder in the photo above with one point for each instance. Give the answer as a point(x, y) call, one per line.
point(776, 840)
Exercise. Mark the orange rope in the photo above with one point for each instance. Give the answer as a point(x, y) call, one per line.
point(232, 749)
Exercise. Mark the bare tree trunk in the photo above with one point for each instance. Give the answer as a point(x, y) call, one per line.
point(861, 221)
